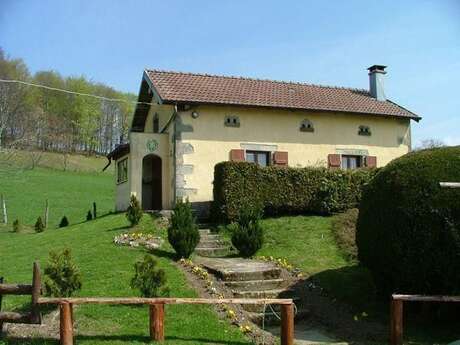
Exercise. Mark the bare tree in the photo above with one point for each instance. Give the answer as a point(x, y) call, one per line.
point(430, 144)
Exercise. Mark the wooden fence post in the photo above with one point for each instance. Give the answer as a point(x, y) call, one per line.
point(396, 322)
point(287, 324)
point(3, 206)
point(157, 315)
point(35, 316)
point(46, 213)
point(66, 326)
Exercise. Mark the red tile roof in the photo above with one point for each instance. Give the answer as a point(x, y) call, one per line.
point(180, 87)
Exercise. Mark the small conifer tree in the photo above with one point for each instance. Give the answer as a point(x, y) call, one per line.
point(248, 236)
point(134, 211)
point(94, 210)
point(183, 234)
point(62, 276)
point(64, 222)
point(16, 226)
point(89, 216)
point(148, 279)
point(39, 226)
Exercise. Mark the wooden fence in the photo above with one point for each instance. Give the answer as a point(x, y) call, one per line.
point(34, 316)
point(397, 312)
point(157, 312)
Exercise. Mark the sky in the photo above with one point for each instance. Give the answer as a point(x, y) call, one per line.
point(321, 42)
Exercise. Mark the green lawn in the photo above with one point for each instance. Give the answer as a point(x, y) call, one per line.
point(107, 270)
point(68, 193)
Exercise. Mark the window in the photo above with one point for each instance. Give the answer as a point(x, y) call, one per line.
point(351, 162)
point(122, 171)
point(156, 123)
point(364, 130)
point(232, 121)
point(306, 126)
point(261, 158)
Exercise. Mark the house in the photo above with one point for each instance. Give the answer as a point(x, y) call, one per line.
point(185, 123)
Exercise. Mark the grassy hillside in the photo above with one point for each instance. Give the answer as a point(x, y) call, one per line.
point(69, 193)
point(107, 270)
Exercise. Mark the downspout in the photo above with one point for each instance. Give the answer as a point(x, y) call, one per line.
point(108, 164)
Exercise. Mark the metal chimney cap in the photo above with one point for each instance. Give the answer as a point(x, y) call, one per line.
point(377, 68)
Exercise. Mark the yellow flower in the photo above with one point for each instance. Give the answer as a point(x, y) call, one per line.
point(231, 314)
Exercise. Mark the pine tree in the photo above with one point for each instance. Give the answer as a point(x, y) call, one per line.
point(134, 211)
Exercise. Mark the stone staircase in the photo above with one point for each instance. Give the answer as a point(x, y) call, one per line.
point(251, 279)
point(212, 245)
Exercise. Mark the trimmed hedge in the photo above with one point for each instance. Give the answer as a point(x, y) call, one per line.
point(408, 231)
point(281, 190)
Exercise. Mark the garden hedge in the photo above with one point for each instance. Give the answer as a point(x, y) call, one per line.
point(408, 230)
point(283, 190)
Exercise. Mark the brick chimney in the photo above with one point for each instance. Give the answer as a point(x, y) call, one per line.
point(376, 77)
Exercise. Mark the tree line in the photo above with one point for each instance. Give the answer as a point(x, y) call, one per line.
point(34, 118)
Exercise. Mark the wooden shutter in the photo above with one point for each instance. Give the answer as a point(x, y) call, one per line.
point(371, 161)
point(280, 158)
point(237, 155)
point(333, 161)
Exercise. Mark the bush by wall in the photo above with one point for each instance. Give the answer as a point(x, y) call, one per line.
point(282, 190)
point(408, 231)
point(134, 212)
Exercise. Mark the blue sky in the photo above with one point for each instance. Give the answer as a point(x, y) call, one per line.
point(322, 42)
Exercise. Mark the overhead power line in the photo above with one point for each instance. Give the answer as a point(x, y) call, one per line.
point(12, 81)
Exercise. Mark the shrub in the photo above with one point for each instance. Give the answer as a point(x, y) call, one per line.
point(344, 230)
point(89, 216)
point(282, 190)
point(183, 232)
point(134, 211)
point(16, 226)
point(150, 281)
point(39, 226)
point(64, 222)
point(62, 277)
point(247, 235)
point(408, 231)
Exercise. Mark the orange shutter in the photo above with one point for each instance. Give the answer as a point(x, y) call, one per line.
point(371, 161)
point(237, 155)
point(333, 161)
point(280, 158)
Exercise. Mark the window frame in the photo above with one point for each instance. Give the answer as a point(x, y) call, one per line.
point(124, 171)
point(256, 154)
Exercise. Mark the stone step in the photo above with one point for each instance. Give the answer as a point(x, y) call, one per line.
point(210, 237)
point(204, 231)
point(276, 293)
point(256, 285)
point(212, 252)
point(212, 244)
point(272, 319)
point(267, 273)
point(257, 308)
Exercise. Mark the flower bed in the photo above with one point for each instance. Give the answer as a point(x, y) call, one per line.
point(136, 239)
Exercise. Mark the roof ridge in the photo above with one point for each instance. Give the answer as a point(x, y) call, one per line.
point(258, 79)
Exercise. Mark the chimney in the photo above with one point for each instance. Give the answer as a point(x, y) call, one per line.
point(376, 89)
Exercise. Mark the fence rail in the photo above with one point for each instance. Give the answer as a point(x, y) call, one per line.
point(397, 312)
point(157, 312)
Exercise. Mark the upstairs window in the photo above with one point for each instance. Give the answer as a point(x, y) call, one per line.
point(232, 121)
point(352, 162)
point(306, 126)
point(364, 130)
point(261, 158)
point(122, 171)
